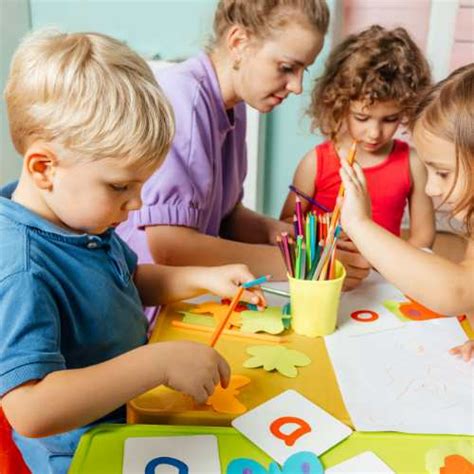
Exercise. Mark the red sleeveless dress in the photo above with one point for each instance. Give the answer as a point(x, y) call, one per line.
point(388, 183)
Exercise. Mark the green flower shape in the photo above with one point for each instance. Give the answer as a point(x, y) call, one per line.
point(270, 320)
point(280, 358)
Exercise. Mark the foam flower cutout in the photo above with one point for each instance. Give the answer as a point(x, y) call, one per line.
point(224, 400)
point(277, 358)
point(218, 310)
point(269, 320)
point(451, 458)
point(198, 319)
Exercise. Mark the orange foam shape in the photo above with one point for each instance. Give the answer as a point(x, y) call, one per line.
point(219, 311)
point(224, 400)
point(417, 312)
point(456, 464)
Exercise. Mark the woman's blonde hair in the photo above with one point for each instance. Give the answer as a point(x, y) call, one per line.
point(89, 93)
point(261, 17)
point(447, 110)
point(374, 65)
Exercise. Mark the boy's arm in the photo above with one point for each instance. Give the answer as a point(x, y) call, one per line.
point(67, 399)
point(303, 179)
point(159, 284)
point(422, 222)
point(178, 245)
point(439, 284)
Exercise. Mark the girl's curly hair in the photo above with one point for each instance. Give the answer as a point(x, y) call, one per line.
point(374, 65)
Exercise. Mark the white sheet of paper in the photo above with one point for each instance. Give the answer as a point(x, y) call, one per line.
point(200, 453)
point(405, 379)
point(326, 431)
point(366, 462)
point(370, 295)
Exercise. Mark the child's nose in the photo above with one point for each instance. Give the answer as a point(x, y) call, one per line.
point(295, 84)
point(431, 188)
point(374, 131)
point(134, 203)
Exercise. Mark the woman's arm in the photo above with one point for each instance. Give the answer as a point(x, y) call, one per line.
point(303, 179)
point(174, 245)
point(422, 222)
point(245, 225)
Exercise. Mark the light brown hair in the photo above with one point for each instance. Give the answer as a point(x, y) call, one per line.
point(261, 17)
point(91, 95)
point(374, 65)
point(447, 110)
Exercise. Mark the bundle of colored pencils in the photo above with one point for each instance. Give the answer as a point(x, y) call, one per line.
point(312, 255)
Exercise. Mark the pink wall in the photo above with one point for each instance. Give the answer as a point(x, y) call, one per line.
point(414, 15)
point(411, 14)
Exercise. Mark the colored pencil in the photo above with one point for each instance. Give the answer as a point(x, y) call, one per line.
point(308, 198)
point(223, 323)
point(299, 216)
point(230, 332)
point(340, 194)
point(257, 281)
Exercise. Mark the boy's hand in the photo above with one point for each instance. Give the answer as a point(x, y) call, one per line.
point(192, 368)
point(224, 281)
point(356, 204)
point(466, 351)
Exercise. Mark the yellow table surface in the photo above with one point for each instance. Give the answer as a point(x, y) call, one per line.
point(317, 381)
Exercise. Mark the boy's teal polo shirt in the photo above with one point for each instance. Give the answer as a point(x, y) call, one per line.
point(67, 301)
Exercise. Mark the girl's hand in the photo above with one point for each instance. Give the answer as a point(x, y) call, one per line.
point(356, 204)
point(466, 351)
point(224, 281)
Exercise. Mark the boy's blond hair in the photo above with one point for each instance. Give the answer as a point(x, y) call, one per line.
point(90, 94)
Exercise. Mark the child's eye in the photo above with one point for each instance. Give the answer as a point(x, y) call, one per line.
point(361, 118)
point(442, 174)
point(119, 187)
point(392, 119)
point(287, 68)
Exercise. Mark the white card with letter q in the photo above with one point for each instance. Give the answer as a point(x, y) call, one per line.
point(290, 423)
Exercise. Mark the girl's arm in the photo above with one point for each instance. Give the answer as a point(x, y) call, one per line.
point(159, 284)
point(422, 222)
point(439, 284)
point(303, 179)
point(178, 245)
point(67, 399)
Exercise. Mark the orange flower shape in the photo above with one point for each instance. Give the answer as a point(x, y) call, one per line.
point(456, 464)
point(224, 400)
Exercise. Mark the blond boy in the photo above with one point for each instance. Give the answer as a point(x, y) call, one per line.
point(92, 125)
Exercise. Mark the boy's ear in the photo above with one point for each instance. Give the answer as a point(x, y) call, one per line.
point(40, 162)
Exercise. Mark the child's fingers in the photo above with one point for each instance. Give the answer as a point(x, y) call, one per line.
point(254, 296)
point(224, 372)
point(360, 174)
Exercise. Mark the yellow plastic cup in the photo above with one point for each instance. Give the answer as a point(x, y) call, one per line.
point(314, 304)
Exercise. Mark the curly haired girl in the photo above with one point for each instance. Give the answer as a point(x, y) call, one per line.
point(369, 84)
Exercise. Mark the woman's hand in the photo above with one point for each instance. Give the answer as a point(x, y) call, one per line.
point(275, 228)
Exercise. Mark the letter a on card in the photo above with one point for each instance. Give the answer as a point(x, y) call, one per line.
point(290, 423)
